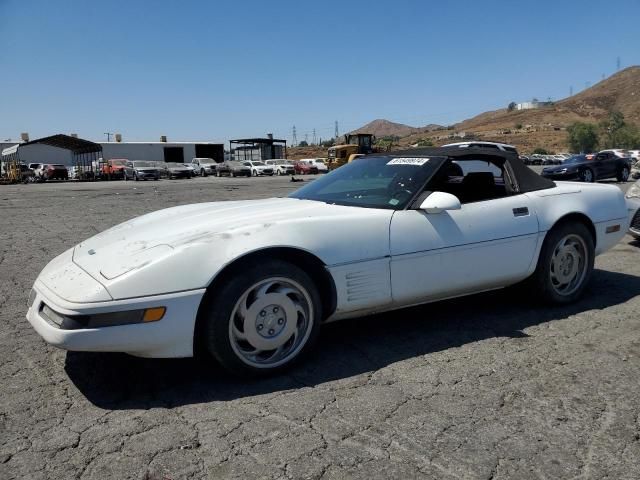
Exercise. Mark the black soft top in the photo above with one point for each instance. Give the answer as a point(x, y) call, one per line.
point(526, 179)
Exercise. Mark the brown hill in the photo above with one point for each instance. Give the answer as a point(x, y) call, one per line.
point(384, 128)
point(546, 127)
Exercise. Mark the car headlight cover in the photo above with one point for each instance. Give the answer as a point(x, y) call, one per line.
point(111, 319)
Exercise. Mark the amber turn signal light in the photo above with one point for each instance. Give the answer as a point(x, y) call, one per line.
point(153, 314)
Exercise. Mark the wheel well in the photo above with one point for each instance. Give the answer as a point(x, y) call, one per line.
point(311, 264)
point(581, 218)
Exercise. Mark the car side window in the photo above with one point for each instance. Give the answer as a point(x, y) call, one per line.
point(470, 180)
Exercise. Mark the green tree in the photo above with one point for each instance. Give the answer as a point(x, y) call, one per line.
point(303, 144)
point(582, 137)
point(424, 143)
point(328, 143)
point(511, 106)
point(518, 126)
point(616, 132)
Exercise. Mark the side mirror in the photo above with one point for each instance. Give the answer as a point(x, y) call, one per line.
point(439, 202)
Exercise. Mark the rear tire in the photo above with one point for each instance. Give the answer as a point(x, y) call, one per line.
point(263, 320)
point(565, 263)
point(623, 174)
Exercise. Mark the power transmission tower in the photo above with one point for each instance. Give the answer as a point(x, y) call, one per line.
point(617, 64)
point(314, 136)
point(306, 138)
point(294, 140)
point(337, 134)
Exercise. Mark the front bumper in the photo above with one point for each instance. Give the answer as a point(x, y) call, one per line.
point(170, 337)
point(144, 175)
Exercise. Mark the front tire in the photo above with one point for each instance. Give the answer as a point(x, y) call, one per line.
point(565, 263)
point(262, 321)
point(587, 175)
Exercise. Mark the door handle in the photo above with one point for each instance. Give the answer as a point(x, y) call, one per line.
point(520, 211)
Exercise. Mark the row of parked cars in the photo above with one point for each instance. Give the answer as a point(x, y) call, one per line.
point(254, 168)
point(124, 169)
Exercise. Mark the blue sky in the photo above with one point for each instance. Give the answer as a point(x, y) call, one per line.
point(214, 70)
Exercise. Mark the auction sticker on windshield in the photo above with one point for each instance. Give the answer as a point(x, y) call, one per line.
point(408, 161)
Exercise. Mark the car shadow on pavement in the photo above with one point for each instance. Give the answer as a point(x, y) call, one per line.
point(344, 349)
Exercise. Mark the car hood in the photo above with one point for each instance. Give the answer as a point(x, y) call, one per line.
point(183, 247)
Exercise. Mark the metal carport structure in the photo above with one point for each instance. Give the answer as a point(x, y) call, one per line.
point(85, 153)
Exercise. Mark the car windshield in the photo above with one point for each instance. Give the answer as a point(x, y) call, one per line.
point(143, 163)
point(207, 160)
point(174, 165)
point(575, 159)
point(319, 161)
point(259, 164)
point(118, 162)
point(374, 182)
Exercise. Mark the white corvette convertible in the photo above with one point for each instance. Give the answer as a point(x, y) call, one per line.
point(251, 282)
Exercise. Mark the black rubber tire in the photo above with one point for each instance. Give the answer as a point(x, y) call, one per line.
point(218, 305)
point(582, 175)
point(621, 177)
point(203, 172)
point(540, 280)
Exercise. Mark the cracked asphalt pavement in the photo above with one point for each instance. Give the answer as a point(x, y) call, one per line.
point(484, 387)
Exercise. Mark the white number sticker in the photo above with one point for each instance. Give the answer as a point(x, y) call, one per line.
point(408, 161)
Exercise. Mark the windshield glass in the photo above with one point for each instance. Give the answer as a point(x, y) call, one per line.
point(575, 159)
point(374, 182)
point(142, 163)
point(207, 160)
point(118, 162)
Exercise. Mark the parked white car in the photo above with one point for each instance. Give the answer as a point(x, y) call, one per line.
point(252, 281)
point(282, 166)
point(504, 147)
point(317, 162)
point(204, 166)
point(258, 169)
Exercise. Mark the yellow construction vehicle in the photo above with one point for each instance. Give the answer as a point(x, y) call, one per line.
point(355, 144)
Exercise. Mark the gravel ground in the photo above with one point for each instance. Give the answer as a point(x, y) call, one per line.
point(489, 386)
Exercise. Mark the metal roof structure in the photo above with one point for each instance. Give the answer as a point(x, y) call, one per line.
point(76, 145)
point(265, 141)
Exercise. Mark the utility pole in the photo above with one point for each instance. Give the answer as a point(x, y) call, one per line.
point(108, 134)
point(617, 64)
point(336, 133)
point(295, 137)
point(314, 136)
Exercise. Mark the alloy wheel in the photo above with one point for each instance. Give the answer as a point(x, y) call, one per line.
point(271, 322)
